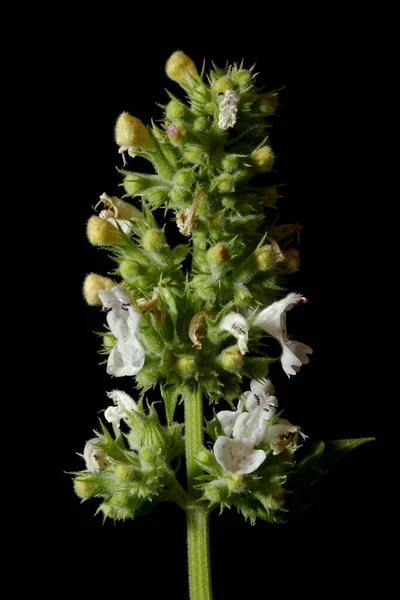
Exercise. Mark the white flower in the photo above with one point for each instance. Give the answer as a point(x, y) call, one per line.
point(238, 455)
point(127, 356)
point(273, 320)
point(123, 404)
point(237, 325)
point(95, 458)
point(124, 224)
point(228, 110)
point(261, 398)
point(281, 434)
point(228, 418)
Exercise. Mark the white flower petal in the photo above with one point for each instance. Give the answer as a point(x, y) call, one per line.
point(123, 404)
point(113, 414)
point(237, 456)
point(228, 418)
point(95, 458)
point(236, 325)
point(273, 318)
point(293, 356)
point(122, 399)
point(125, 225)
point(250, 427)
point(121, 294)
point(126, 358)
point(264, 386)
point(260, 398)
point(281, 434)
point(228, 110)
point(109, 299)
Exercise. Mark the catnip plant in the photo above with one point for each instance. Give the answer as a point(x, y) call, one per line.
point(201, 322)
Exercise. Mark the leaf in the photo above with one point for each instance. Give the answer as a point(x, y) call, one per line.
point(323, 457)
point(179, 253)
point(170, 396)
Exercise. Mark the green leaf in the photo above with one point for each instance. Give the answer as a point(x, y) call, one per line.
point(170, 395)
point(323, 457)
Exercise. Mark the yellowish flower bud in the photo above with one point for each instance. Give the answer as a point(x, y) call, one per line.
point(129, 269)
point(268, 103)
point(100, 232)
point(292, 260)
point(271, 195)
point(84, 489)
point(179, 67)
point(204, 457)
point(174, 110)
point(265, 258)
point(223, 84)
point(109, 341)
point(218, 254)
point(130, 131)
point(225, 184)
point(263, 159)
point(120, 209)
point(185, 366)
point(231, 359)
point(92, 285)
point(123, 473)
point(153, 239)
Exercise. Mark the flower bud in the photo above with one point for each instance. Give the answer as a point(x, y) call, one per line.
point(130, 131)
point(263, 159)
point(268, 103)
point(153, 239)
point(223, 84)
point(225, 184)
point(270, 196)
point(123, 474)
point(179, 67)
point(243, 78)
point(134, 183)
point(231, 359)
point(109, 341)
point(175, 134)
point(230, 162)
point(100, 232)
point(218, 254)
point(204, 458)
point(84, 489)
point(185, 366)
point(181, 197)
point(92, 285)
point(184, 178)
point(201, 124)
point(174, 110)
point(193, 154)
point(264, 258)
point(148, 454)
point(212, 494)
point(291, 263)
point(129, 269)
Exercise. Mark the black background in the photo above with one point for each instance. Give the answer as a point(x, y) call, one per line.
point(332, 397)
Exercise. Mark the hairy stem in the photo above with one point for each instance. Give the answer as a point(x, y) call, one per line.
point(198, 535)
point(199, 553)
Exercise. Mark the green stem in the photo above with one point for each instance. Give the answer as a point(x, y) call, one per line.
point(198, 533)
point(193, 436)
point(175, 492)
point(199, 553)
